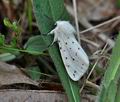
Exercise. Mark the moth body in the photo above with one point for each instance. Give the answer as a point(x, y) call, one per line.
point(74, 57)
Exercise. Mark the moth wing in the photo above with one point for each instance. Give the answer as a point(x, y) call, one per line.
point(75, 59)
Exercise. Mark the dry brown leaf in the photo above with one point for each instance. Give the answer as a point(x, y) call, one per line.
point(10, 74)
point(32, 96)
point(96, 9)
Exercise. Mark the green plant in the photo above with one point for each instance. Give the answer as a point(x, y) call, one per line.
point(110, 83)
point(47, 12)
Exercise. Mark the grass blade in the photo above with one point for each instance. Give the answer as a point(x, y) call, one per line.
point(110, 80)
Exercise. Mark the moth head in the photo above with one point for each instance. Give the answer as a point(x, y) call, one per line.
point(61, 22)
point(66, 27)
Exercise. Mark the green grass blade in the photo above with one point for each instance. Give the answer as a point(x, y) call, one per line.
point(29, 14)
point(34, 72)
point(117, 98)
point(110, 80)
point(47, 12)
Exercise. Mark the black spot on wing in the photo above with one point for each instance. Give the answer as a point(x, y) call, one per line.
point(73, 74)
point(73, 59)
point(73, 42)
point(60, 48)
point(82, 64)
point(68, 66)
point(75, 71)
point(81, 67)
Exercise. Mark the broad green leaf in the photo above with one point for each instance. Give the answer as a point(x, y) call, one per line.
point(36, 44)
point(47, 12)
point(7, 57)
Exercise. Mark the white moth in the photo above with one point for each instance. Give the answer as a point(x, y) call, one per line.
point(74, 58)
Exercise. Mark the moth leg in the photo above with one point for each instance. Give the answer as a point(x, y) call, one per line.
point(55, 37)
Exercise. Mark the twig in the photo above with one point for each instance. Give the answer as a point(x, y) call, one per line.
point(91, 42)
point(93, 68)
point(99, 25)
point(76, 19)
point(92, 85)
